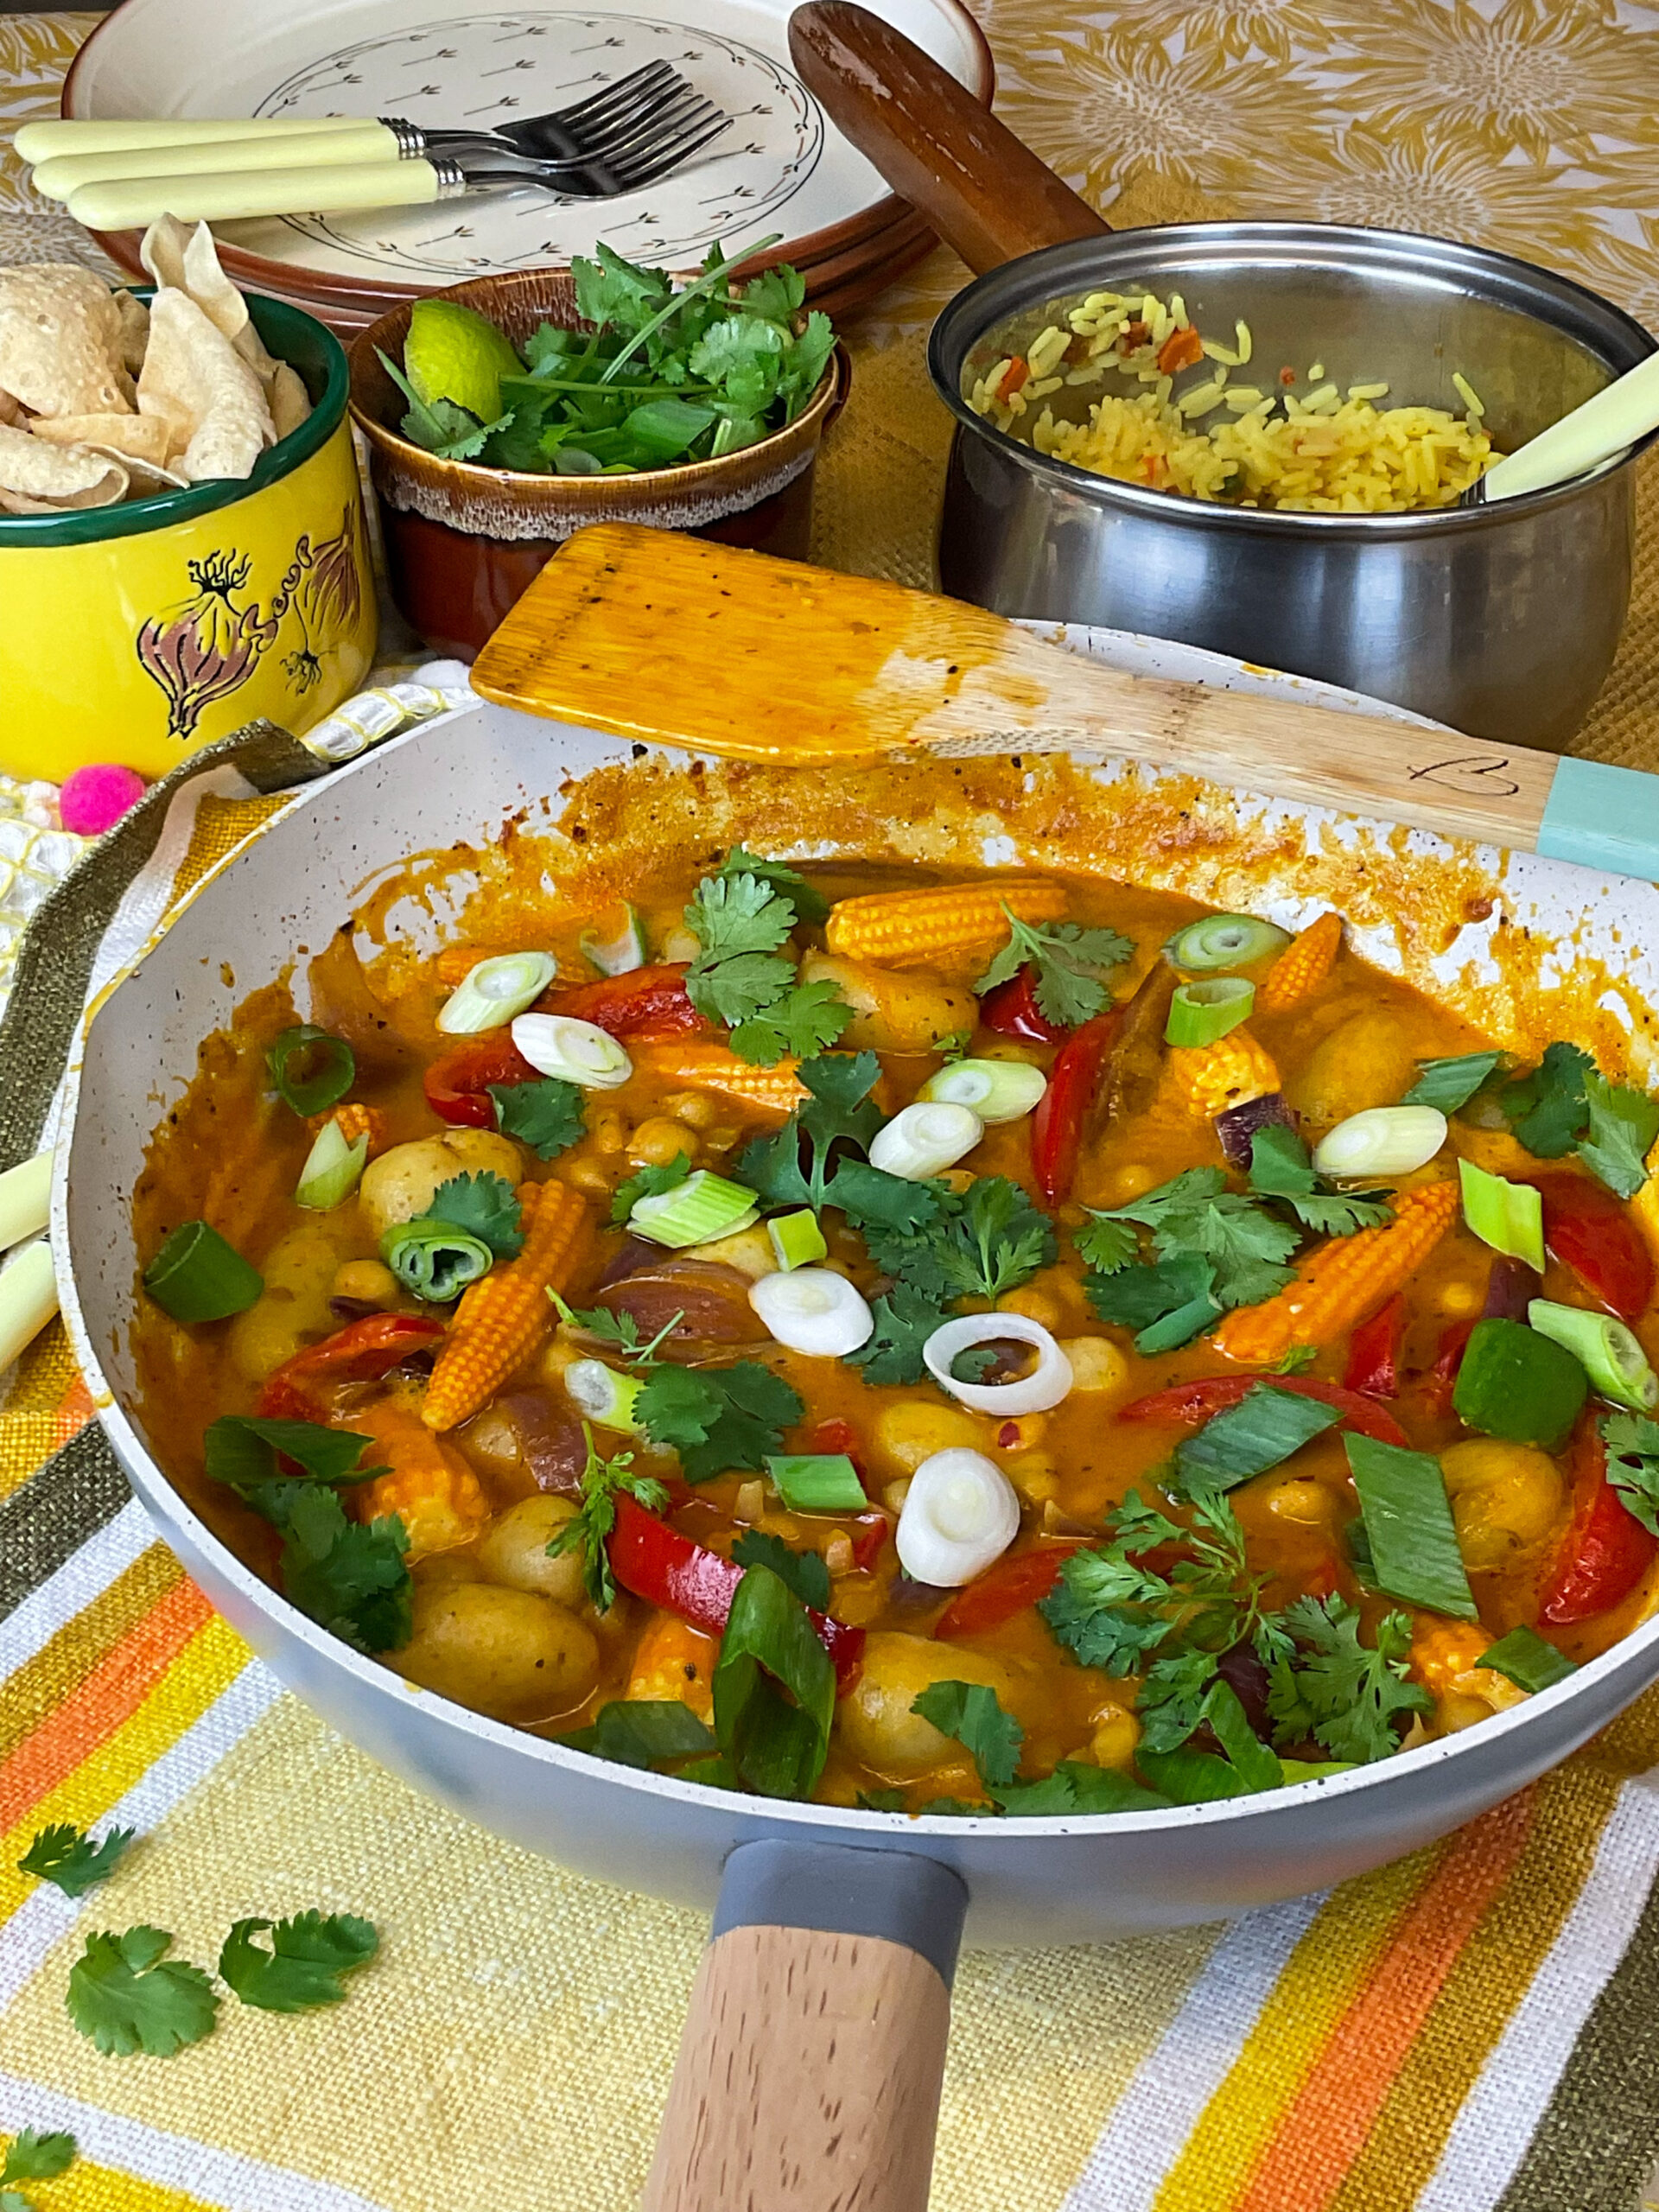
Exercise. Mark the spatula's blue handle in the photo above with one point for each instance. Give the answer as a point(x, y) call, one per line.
point(1603, 817)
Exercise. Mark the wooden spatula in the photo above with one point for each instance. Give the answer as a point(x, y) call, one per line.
point(653, 635)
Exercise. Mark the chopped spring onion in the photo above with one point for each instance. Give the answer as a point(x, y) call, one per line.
point(1516, 1383)
point(813, 1310)
point(602, 1396)
point(1263, 1430)
point(1525, 1658)
point(1226, 941)
point(997, 1090)
point(694, 1211)
point(493, 992)
point(1610, 1353)
point(819, 1482)
point(1200, 1014)
point(197, 1276)
point(960, 1514)
point(29, 1299)
point(923, 1138)
point(1047, 1383)
point(332, 1168)
point(1451, 1084)
point(797, 1239)
point(1383, 1141)
point(777, 1744)
point(620, 953)
point(1510, 1216)
point(332, 1063)
point(25, 1200)
point(1408, 1527)
point(433, 1260)
point(642, 1732)
point(577, 1052)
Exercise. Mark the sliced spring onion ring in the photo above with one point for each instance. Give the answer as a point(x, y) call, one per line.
point(1226, 941)
point(1383, 1141)
point(332, 1168)
point(817, 1482)
point(1199, 1014)
point(924, 1138)
point(433, 1260)
point(813, 1310)
point(997, 1090)
point(1611, 1354)
point(1047, 1383)
point(960, 1514)
point(602, 1396)
point(332, 1062)
point(197, 1276)
point(695, 1211)
point(797, 1239)
point(619, 954)
point(493, 992)
point(577, 1052)
point(1510, 1216)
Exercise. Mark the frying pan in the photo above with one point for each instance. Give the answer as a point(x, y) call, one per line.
point(1500, 620)
point(810, 2072)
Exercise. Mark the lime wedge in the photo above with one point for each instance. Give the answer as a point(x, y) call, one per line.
point(453, 352)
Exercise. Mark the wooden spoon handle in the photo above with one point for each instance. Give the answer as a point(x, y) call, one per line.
point(985, 193)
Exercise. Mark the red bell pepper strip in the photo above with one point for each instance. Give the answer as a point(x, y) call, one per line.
point(869, 1532)
point(1374, 1351)
point(1003, 1591)
point(1184, 1405)
point(457, 1086)
point(1062, 1114)
point(647, 1003)
point(665, 1568)
point(1606, 1550)
point(1012, 1010)
point(1448, 1358)
point(1591, 1230)
point(833, 1436)
point(361, 1352)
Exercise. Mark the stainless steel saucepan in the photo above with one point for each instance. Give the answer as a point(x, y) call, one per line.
point(1501, 620)
point(809, 2076)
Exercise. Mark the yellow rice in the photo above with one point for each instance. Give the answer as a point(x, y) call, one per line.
point(1320, 450)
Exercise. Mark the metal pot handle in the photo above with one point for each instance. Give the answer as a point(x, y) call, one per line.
point(985, 193)
point(809, 2071)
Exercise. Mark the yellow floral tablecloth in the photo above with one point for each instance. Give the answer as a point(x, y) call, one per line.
point(1476, 2030)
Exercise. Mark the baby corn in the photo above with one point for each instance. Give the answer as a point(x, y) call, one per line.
point(1302, 966)
point(950, 925)
point(502, 1320)
point(716, 1067)
point(1214, 1078)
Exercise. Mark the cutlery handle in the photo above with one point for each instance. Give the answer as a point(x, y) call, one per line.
point(129, 203)
point(44, 142)
point(1620, 413)
point(63, 175)
point(983, 191)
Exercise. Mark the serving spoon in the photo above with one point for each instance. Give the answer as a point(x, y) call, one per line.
point(1605, 424)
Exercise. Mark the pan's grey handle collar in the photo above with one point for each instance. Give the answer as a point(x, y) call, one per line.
point(843, 1889)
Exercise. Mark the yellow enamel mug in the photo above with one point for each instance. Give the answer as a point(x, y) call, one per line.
point(140, 632)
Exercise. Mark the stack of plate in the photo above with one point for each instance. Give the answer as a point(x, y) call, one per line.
point(783, 170)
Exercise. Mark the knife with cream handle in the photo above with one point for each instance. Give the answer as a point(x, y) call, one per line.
point(45, 141)
point(368, 141)
point(129, 203)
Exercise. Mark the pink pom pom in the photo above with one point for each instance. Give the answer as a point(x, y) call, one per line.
point(95, 798)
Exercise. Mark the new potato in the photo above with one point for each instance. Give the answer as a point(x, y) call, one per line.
point(506, 1653)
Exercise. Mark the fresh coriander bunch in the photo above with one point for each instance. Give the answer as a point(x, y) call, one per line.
point(658, 378)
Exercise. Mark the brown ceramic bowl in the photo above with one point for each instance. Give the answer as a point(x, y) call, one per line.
point(464, 542)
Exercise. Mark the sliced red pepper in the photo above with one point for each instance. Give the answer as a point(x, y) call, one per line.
point(1012, 1010)
point(1062, 1114)
point(1606, 1551)
point(1017, 373)
point(1590, 1229)
point(457, 1086)
point(1448, 1358)
point(869, 1532)
point(1003, 1591)
point(831, 1436)
point(1184, 1405)
point(1374, 1351)
point(1179, 351)
point(649, 1004)
point(665, 1568)
point(361, 1352)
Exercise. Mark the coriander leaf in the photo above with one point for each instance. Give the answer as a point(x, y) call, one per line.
point(1343, 1213)
point(904, 1319)
point(839, 1109)
point(774, 1688)
point(1107, 1245)
point(1195, 1215)
point(1075, 1786)
point(643, 1732)
point(1453, 1082)
point(37, 2157)
point(127, 1998)
point(648, 1183)
point(1167, 1303)
point(305, 1965)
point(71, 1861)
point(547, 1115)
point(610, 292)
point(1107, 1609)
point(1281, 1168)
point(1623, 1125)
point(1066, 963)
point(804, 1021)
point(1195, 1777)
point(992, 1238)
point(880, 1203)
point(809, 904)
point(730, 915)
point(718, 1419)
point(485, 1206)
point(881, 1801)
point(243, 1453)
point(588, 1530)
point(738, 990)
point(972, 1714)
point(1632, 1444)
point(779, 294)
point(1347, 1696)
point(803, 1573)
point(619, 1329)
point(1547, 1108)
point(1171, 1702)
point(351, 1579)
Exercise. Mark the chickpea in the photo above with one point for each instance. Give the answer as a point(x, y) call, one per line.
point(750, 1502)
point(1299, 1500)
point(1457, 1710)
point(838, 1553)
point(491, 1441)
point(1034, 1475)
point(694, 1108)
point(658, 1140)
point(1504, 1498)
point(367, 1282)
point(1020, 1433)
point(1133, 1182)
point(1036, 1304)
point(875, 1719)
point(1459, 1298)
point(507, 1653)
point(403, 1181)
point(1096, 1364)
point(607, 1130)
point(679, 945)
point(720, 1137)
point(1116, 1733)
point(894, 1495)
point(592, 1177)
point(513, 1551)
point(915, 1428)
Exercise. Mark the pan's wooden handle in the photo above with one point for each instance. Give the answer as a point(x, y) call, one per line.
point(808, 2079)
point(984, 193)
